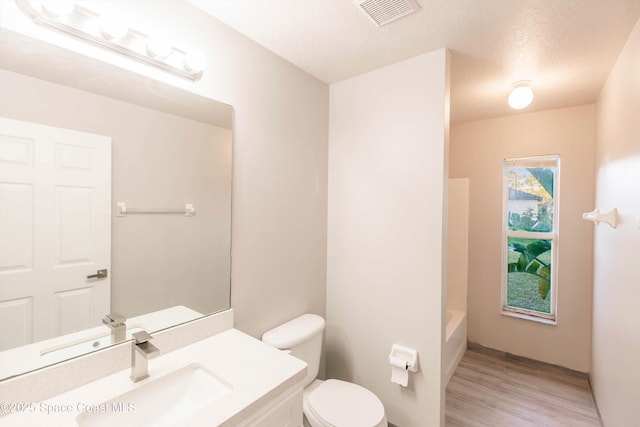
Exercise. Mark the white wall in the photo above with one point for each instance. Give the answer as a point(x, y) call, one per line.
point(457, 244)
point(280, 155)
point(388, 149)
point(616, 318)
point(478, 149)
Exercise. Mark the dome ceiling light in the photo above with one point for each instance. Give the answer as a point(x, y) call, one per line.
point(521, 95)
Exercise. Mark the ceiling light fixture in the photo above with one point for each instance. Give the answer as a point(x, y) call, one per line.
point(521, 95)
point(101, 28)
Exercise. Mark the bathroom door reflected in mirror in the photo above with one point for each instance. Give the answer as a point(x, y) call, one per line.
point(166, 268)
point(55, 231)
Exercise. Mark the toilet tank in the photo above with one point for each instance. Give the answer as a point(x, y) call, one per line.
point(303, 336)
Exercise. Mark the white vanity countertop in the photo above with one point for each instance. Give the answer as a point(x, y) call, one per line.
point(26, 358)
point(256, 371)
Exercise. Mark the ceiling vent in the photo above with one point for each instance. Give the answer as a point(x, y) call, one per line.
point(384, 11)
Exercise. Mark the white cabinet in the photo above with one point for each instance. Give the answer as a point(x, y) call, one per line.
point(283, 411)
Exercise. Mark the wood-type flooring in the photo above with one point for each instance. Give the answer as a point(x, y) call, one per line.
point(491, 388)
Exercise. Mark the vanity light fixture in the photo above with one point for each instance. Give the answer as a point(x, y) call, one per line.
point(57, 9)
point(194, 61)
point(78, 19)
point(113, 27)
point(521, 95)
point(158, 47)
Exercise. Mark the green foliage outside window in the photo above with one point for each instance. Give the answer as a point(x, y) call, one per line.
point(529, 264)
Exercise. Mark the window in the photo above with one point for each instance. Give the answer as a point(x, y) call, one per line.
point(530, 237)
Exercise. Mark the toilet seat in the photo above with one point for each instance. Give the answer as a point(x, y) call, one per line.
point(338, 403)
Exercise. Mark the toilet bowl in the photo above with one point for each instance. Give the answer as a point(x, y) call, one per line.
point(330, 403)
point(340, 403)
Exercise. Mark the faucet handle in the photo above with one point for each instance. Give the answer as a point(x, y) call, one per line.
point(114, 319)
point(141, 337)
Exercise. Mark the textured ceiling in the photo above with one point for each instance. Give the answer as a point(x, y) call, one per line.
point(565, 47)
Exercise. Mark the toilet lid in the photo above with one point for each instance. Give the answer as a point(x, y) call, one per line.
point(344, 404)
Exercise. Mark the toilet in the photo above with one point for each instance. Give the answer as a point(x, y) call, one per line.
point(330, 403)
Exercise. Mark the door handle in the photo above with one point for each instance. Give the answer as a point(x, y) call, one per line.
point(100, 274)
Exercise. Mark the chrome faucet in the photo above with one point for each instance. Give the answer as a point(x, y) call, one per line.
point(116, 322)
point(141, 351)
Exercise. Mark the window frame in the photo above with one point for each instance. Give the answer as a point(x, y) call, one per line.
point(553, 236)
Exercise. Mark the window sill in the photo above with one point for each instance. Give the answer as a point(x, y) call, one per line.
point(531, 317)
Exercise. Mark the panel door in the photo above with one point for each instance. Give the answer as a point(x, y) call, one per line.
point(55, 230)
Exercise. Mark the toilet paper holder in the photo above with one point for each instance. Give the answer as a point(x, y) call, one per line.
point(408, 357)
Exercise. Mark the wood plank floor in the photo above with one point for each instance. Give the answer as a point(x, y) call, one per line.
point(490, 388)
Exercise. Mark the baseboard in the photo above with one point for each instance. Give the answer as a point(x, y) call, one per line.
point(595, 402)
point(513, 357)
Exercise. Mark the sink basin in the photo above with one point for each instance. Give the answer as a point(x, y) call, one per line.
point(161, 402)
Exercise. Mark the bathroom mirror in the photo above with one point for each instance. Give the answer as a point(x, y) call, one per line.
point(169, 148)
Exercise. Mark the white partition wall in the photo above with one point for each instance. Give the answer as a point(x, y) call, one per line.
point(388, 145)
point(616, 279)
point(458, 244)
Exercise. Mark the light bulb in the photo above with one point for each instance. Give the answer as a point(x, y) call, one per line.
point(57, 9)
point(521, 96)
point(158, 47)
point(113, 27)
point(194, 61)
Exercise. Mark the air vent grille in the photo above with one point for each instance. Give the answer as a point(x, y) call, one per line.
point(384, 11)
